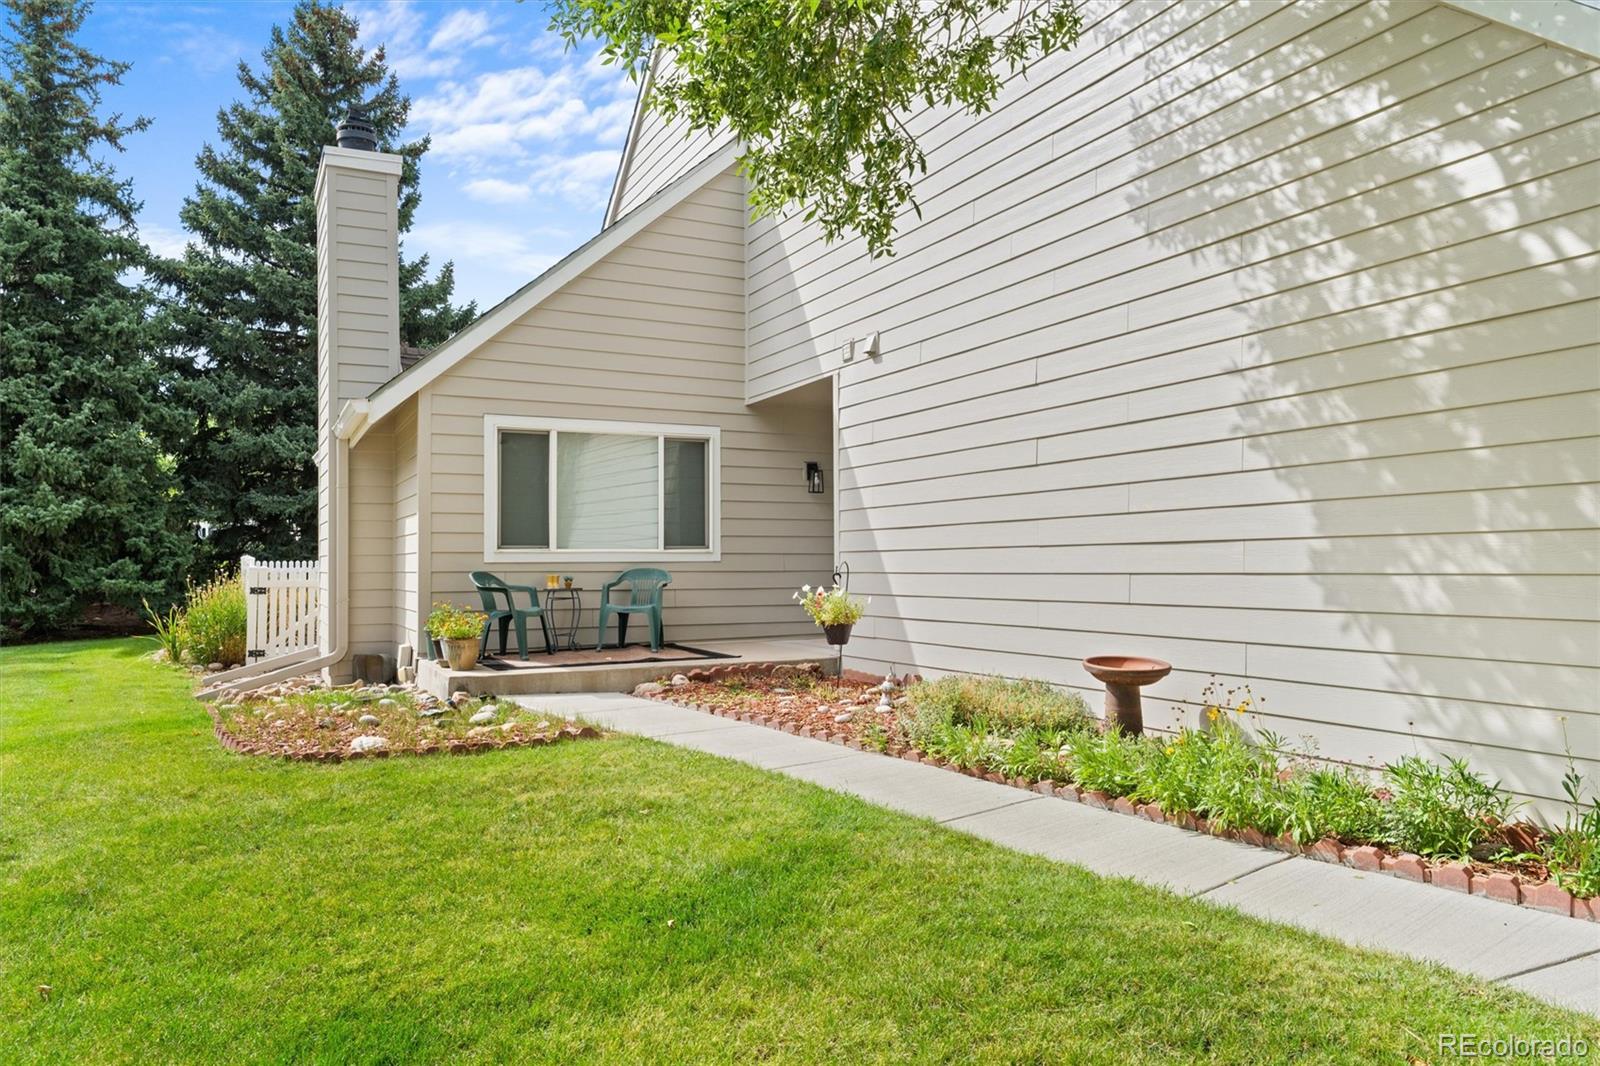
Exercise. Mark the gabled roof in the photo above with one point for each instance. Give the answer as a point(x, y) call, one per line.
point(391, 394)
point(618, 183)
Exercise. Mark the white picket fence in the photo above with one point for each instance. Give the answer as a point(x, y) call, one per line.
point(280, 607)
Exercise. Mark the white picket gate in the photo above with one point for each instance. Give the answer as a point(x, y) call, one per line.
point(280, 607)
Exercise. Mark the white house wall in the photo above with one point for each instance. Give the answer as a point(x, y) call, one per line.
point(662, 153)
point(651, 333)
point(1256, 337)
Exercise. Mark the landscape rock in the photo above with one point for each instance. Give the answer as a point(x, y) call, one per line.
point(370, 719)
point(326, 723)
point(649, 688)
point(387, 703)
point(679, 680)
point(482, 717)
point(214, 668)
point(433, 711)
point(843, 717)
point(368, 744)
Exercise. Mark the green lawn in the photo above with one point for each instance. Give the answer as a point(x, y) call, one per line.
point(610, 900)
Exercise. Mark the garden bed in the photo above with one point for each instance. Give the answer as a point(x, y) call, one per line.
point(303, 720)
point(1030, 736)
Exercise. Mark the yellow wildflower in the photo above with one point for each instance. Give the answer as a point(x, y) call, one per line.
point(1211, 713)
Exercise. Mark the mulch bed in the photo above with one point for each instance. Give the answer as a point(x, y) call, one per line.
point(326, 725)
point(795, 699)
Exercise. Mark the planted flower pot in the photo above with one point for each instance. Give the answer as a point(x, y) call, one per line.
point(839, 634)
point(462, 654)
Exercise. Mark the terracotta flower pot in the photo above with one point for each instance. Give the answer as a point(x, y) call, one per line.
point(839, 634)
point(463, 654)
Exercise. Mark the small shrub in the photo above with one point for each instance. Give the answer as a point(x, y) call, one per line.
point(1326, 802)
point(1441, 811)
point(1239, 787)
point(168, 630)
point(1172, 774)
point(924, 723)
point(213, 627)
point(1573, 851)
point(964, 746)
point(1037, 754)
point(1002, 703)
point(1107, 762)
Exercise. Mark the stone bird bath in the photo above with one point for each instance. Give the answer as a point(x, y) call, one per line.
point(1123, 676)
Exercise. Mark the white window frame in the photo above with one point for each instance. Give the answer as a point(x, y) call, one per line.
point(493, 552)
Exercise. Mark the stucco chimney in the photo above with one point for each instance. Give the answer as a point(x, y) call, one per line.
point(358, 327)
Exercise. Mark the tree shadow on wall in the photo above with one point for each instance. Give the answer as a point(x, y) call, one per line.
point(1412, 287)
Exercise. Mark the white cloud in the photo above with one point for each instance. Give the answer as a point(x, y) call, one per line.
point(204, 48)
point(506, 112)
point(497, 191)
point(468, 242)
point(163, 240)
point(462, 28)
point(400, 26)
point(582, 180)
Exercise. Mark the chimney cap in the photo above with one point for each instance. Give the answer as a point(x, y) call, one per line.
point(356, 131)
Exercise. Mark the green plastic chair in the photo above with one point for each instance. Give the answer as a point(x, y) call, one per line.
point(644, 597)
point(490, 588)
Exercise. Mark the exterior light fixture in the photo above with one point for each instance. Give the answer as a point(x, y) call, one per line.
point(814, 477)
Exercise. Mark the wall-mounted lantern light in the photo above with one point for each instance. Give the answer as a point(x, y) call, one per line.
point(813, 477)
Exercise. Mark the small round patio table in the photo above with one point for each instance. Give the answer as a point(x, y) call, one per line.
point(572, 596)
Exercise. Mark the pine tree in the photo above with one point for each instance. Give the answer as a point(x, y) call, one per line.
point(86, 491)
point(244, 307)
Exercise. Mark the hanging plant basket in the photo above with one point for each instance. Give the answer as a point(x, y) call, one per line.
point(838, 635)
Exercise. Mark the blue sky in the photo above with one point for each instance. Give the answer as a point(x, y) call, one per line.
point(526, 136)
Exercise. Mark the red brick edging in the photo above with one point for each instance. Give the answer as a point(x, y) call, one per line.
point(1455, 876)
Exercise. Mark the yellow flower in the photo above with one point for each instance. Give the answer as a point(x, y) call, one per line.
point(1211, 713)
point(1242, 707)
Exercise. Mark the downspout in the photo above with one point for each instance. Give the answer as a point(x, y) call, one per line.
point(351, 422)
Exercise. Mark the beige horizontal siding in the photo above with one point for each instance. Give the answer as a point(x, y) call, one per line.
point(1257, 337)
point(662, 153)
point(407, 531)
point(373, 559)
point(653, 332)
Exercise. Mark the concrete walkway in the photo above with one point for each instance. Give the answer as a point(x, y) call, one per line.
point(1556, 959)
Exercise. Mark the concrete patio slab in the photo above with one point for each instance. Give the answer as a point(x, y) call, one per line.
point(1553, 958)
point(1574, 984)
point(1119, 846)
point(1470, 933)
point(437, 678)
